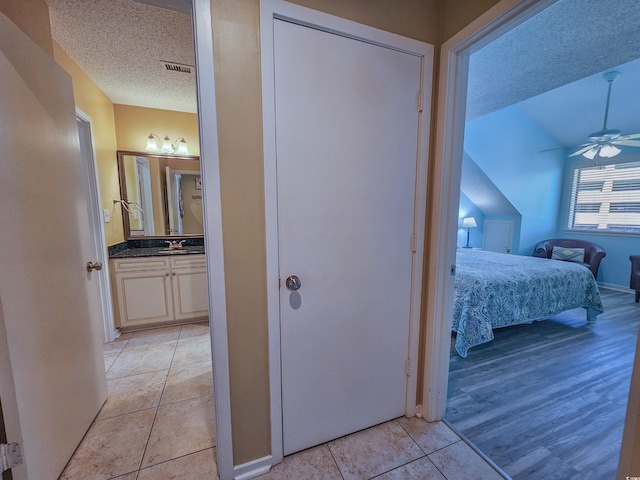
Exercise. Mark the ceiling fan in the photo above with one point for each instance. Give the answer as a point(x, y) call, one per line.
point(603, 142)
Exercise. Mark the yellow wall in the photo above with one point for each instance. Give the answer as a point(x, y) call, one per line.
point(134, 124)
point(32, 17)
point(238, 97)
point(92, 101)
point(121, 127)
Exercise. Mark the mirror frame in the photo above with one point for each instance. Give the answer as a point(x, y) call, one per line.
point(126, 224)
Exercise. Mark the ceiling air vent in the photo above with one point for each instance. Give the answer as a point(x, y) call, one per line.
point(177, 67)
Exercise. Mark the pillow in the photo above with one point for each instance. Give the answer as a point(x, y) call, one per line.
point(568, 254)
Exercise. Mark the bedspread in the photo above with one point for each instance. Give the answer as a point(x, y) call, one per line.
point(494, 290)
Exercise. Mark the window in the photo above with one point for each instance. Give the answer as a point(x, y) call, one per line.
point(606, 198)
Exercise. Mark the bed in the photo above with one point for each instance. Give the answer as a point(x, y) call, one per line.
point(494, 290)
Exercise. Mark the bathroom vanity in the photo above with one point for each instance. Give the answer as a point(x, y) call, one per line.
point(158, 274)
point(158, 290)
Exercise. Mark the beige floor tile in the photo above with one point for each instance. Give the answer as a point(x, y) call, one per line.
point(197, 466)
point(459, 460)
point(376, 450)
point(313, 464)
point(194, 330)
point(109, 358)
point(117, 345)
point(180, 429)
point(111, 447)
point(133, 393)
point(133, 362)
point(429, 436)
point(153, 337)
point(129, 476)
point(421, 469)
point(189, 381)
point(192, 351)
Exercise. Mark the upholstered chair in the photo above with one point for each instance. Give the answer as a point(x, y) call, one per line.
point(593, 253)
point(634, 283)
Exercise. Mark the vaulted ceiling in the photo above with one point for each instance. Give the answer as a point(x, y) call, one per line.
point(552, 65)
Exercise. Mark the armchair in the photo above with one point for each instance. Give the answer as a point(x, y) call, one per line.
point(593, 253)
point(634, 283)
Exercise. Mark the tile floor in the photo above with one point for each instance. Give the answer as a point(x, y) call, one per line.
point(158, 424)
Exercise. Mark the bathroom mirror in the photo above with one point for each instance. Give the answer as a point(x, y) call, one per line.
point(161, 195)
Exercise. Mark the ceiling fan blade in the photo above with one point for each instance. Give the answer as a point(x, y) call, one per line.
point(628, 143)
point(582, 150)
point(626, 137)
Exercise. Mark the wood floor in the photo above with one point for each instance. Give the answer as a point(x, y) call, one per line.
point(548, 400)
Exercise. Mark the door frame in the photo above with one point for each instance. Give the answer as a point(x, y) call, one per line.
point(211, 196)
point(447, 166)
point(87, 152)
point(279, 9)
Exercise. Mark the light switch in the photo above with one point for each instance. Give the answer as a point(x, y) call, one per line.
point(106, 214)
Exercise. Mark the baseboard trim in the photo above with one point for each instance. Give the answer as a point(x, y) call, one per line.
point(252, 469)
point(618, 288)
point(477, 450)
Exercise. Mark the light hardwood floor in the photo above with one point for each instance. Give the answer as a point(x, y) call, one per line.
point(548, 400)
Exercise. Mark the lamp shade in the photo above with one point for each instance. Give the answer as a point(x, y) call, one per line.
point(151, 143)
point(469, 222)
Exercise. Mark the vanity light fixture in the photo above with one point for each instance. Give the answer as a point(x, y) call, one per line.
point(179, 147)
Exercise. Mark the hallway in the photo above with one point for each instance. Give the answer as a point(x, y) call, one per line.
point(158, 421)
point(158, 424)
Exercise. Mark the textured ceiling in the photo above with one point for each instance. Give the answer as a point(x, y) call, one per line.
point(568, 41)
point(120, 45)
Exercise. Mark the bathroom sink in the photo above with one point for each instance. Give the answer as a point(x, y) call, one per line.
point(172, 251)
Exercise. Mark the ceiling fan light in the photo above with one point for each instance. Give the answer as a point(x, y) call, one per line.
point(591, 154)
point(609, 151)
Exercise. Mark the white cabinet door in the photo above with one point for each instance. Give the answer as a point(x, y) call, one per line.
point(144, 297)
point(155, 290)
point(190, 295)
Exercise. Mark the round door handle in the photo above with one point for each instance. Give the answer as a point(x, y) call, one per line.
point(293, 283)
point(94, 266)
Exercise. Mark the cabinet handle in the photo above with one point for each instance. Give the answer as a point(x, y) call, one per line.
point(166, 274)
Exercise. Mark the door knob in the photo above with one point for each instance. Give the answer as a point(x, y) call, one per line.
point(293, 283)
point(94, 266)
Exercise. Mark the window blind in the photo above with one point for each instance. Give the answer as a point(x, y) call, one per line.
point(606, 198)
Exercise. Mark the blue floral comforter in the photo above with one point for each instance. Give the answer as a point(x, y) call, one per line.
point(494, 290)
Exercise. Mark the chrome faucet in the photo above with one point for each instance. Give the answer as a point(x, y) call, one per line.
point(173, 245)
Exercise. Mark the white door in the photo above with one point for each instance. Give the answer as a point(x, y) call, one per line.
point(498, 236)
point(99, 278)
point(346, 135)
point(51, 355)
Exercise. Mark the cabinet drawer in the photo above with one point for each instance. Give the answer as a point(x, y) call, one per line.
point(136, 264)
point(193, 260)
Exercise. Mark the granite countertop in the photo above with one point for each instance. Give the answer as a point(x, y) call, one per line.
point(156, 252)
point(155, 248)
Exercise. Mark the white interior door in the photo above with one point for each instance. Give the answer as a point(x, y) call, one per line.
point(51, 361)
point(346, 135)
point(99, 278)
point(498, 236)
